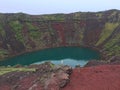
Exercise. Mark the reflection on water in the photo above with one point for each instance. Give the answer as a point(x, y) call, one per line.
point(62, 55)
point(70, 62)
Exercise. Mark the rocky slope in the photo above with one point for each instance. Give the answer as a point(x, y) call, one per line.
point(45, 77)
point(50, 77)
point(21, 33)
point(105, 77)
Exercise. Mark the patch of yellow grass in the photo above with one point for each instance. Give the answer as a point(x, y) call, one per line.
point(4, 70)
point(107, 31)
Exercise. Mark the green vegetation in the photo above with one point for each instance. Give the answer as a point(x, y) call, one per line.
point(2, 32)
point(37, 32)
point(33, 30)
point(77, 15)
point(17, 28)
point(114, 13)
point(3, 53)
point(81, 34)
point(112, 47)
point(52, 65)
point(115, 50)
point(58, 17)
point(99, 15)
point(107, 31)
point(5, 70)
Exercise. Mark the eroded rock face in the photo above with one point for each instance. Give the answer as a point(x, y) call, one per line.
point(49, 77)
point(46, 77)
point(21, 33)
point(115, 60)
point(58, 79)
point(95, 63)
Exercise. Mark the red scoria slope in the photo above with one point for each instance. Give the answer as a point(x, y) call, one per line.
point(104, 77)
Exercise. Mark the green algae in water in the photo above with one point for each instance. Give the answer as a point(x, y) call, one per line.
point(61, 55)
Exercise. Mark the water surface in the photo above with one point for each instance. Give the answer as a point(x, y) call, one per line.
point(63, 55)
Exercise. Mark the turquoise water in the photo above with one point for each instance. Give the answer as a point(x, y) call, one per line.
point(63, 55)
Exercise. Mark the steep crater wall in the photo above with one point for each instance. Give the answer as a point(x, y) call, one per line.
point(21, 33)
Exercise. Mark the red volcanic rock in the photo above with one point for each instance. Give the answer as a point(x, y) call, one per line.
point(45, 77)
point(5, 87)
point(26, 83)
point(58, 79)
point(104, 77)
point(60, 29)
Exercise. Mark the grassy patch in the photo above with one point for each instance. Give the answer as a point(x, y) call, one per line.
point(112, 47)
point(17, 28)
point(107, 31)
point(99, 15)
point(3, 53)
point(4, 70)
point(59, 17)
point(33, 31)
point(2, 32)
point(115, 50)
point(52, 65)
point(77, 15)
point(110, 43)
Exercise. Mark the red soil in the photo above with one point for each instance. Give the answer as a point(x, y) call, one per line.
point(5, 87)
point(60, 29)
point(26, 83)
point(104, 77)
